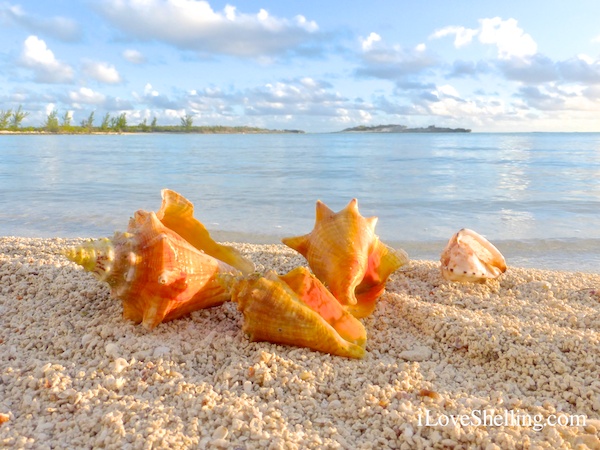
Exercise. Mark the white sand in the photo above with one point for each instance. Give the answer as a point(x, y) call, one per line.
point(73, 374)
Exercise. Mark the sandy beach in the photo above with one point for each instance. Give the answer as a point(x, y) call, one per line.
point(513, 363)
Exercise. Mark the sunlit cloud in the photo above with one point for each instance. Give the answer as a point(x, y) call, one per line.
point(194, 25)
point(367, 43)
point(462, 35)
point(47, 69)
point(506, 35)
point(87, 96)
point(102, 72)
point(510, 40)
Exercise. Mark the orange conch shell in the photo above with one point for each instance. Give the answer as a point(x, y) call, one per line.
point(344, 252)
point(296, 309)
point(177, 213)
point(469, 257)
point(157, 274)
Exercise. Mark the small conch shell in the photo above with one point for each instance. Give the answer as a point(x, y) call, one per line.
point(296, 309)
point(344, 253)
point(177, 213)
point(469, 257)
point(156, 273)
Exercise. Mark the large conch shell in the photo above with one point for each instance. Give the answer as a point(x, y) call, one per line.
point(344, 253)
point(177, 213)
point(469, 257)
point(156, 273)
point(297, 309)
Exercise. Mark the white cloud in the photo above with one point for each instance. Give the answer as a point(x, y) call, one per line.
point(58, 27)
point(367, 44)
point(155, 99)
point(508, 37)
point(102, 72)
point(449, 91)
point(134, 56)
point(47, 69)
point(586, 58)
point(462, 35)
point(304, 97)
point(276, 102)
point(49, 108)
point(510, 40)
point(380, 60)
point(194, 25)
point(552, 98)
point(87, 96)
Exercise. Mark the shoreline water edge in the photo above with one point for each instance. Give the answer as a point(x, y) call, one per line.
point(447, 364)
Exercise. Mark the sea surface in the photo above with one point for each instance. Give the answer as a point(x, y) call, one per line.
point(536, 196)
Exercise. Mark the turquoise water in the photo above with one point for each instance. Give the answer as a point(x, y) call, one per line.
point(536, 196)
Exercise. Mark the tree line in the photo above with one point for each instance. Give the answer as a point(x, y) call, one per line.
point(11, 120)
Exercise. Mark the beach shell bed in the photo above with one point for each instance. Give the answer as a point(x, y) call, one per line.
point(75, 374)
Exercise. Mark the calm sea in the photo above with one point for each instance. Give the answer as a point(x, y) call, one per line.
point(536, 196)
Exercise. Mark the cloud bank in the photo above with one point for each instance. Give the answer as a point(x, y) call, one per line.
point(194, 25)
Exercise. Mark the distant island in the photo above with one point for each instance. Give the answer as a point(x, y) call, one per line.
point(402, 129)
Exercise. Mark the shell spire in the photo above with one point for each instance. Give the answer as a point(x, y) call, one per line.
point(156, 273)
point(95, 256)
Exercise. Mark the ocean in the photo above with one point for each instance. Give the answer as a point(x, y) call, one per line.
point(536, 196)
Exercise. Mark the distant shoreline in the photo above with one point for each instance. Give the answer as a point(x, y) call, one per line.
point(137, 132)
point(403, 129)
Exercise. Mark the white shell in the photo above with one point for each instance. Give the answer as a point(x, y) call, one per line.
point(469, 257)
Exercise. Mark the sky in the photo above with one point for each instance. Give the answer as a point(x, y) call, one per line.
point(317, 66)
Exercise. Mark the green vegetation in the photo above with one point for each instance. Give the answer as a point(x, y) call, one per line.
point(4, 118)
point(11, 121)
point(51, 123)
point(88, 124)
point(186, 123)
point(16, 118)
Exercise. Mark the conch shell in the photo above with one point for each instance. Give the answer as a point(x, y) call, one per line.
point(156, 273)
point(177, 213)
point(296, 309)
point(469, 257)
point(345, 254)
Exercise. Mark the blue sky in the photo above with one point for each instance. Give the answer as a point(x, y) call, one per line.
point(313, 65)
